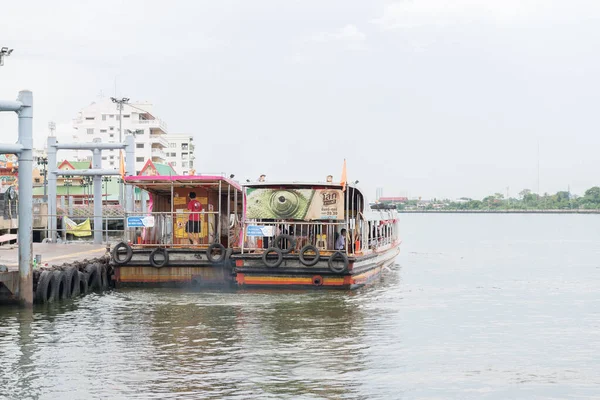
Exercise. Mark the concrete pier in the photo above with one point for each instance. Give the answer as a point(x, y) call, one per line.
point(52, 254)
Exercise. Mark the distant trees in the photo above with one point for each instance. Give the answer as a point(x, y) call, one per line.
point(561, 200)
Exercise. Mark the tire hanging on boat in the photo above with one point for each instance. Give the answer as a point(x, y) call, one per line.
point(333, 266)
point(279, 243)
point(222, 256)
point(270, 263)
point(44, 293)
point(159, 263)
point(117, 251)
point(61, 286)
point(309, 262)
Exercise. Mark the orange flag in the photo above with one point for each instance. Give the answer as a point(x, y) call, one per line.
point(343, 182)
point(122, 166)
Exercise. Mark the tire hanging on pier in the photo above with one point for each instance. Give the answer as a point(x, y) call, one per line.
point(83, 280)
point(270, 262)
point(160, 262)
point(44, 293)
point(72, 275)
point(61, 286)
point(281, 239)
point(103, 276)
point(93, 277)
point(309, 262)
point(334, 266)
point(222, 253)
point(117, 252)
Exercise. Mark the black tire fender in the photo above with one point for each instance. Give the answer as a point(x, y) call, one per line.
point(310, 261)
point(93, 277)
point(278, 242)
point(333, 266)
point(222, 256)
point(116, 251)
point(61, 286)
point(161, 263)
point(272, 263)
point(44, 293)
point(103, 276)
point(83, 280)
point(72, 281)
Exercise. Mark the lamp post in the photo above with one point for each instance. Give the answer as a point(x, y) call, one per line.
point(106, 179)
point(4, 52)
point(68, 183)
point(43, 163)
point(120, 103)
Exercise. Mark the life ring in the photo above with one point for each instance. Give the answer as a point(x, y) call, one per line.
point(222, 255)
point(117, 251)
point(93, 277)
point(159, 263)
point(333, 266)
point(273, 263)
point(278, 242)
point(44, 293)
point(309, 262)
point(61, 286)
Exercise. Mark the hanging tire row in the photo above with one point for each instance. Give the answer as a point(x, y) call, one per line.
point(70, 280)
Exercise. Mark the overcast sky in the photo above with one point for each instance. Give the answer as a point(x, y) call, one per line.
point(424, 98)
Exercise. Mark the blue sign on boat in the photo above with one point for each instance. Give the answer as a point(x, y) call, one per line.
point(140, 222)
point(255, 230)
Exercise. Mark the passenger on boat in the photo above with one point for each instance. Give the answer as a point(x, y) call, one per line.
point(193, 225)
point(340, 243)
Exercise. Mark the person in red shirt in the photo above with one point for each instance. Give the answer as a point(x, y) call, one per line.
point(193, 225)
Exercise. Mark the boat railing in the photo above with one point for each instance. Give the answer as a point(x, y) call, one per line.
point(151, 229)
point(261, 235)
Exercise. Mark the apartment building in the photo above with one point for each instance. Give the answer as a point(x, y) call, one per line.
point(180, 153)
point(101, 121)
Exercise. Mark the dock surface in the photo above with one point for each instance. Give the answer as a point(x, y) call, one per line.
point(52, 254)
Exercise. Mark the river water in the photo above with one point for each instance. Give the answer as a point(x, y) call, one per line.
point(477, 307)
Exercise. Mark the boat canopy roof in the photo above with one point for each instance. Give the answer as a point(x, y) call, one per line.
point(299, 185)
point(164, 183)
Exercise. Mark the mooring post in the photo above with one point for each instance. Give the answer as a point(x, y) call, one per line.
point(52, 167)
point(97, 164)
point(25, 233)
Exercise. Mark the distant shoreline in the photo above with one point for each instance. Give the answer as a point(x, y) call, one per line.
point(499, 211)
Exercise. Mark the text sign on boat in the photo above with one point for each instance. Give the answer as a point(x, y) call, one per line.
point(140, 222)
point(255, 230)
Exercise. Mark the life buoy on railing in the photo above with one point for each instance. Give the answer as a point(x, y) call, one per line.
point(278, 242)
point(309, 262)
point(270, 263)
point(334, 266)
point(160, 262)
point(222, 253)
point(117, 251)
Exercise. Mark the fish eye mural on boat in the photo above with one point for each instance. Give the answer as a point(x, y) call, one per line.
point(296, 204)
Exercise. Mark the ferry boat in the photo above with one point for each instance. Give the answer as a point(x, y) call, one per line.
point(323, 235)
point(159, 250)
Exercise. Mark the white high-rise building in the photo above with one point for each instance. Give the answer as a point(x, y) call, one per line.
point(180, 153)
point(100, 120)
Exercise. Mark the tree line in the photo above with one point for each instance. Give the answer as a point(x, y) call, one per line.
point(526, 200)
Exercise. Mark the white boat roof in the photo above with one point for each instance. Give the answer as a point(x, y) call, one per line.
point(332, 185)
